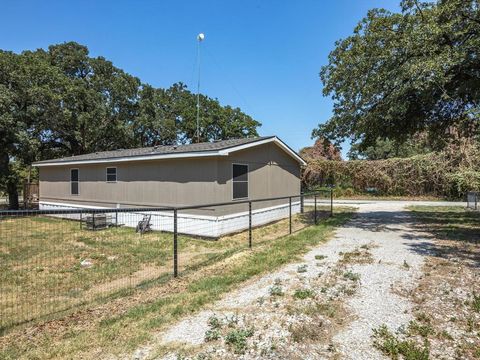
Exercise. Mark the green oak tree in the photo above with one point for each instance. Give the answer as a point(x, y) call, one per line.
point(400, 74)
point(62, 102)
point(25, 92)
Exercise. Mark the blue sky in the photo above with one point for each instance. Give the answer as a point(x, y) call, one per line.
point(263, 56)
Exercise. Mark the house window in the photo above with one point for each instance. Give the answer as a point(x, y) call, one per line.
point(74, 181)
point(111, 174)
point(240, 181)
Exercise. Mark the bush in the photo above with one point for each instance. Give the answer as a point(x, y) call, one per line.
point(450, 173)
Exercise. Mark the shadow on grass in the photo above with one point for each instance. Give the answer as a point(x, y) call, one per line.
point(456, 232)
point(450, 232)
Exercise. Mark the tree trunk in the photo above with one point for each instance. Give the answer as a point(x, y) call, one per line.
point(12, 195)
point(10, 182)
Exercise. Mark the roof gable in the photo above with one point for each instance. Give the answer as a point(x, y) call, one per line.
point(216, 148)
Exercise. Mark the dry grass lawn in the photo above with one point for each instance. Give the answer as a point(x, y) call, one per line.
point(447, 298)
point(125, 277)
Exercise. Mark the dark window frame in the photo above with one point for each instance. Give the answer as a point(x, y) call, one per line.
point(107, 174)
point(77, 182)
point(240, 181)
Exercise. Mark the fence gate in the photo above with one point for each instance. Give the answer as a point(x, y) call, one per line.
point(30, 194)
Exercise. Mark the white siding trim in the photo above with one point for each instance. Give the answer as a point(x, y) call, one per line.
point(198, 225)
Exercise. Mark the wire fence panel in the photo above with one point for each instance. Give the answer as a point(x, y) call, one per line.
point(57, 260)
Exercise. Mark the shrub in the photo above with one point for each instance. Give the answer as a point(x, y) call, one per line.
point(450, 173)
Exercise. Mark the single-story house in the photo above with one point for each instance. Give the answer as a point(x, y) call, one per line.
point(179, 175)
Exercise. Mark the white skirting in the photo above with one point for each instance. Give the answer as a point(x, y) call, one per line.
point(199, 225)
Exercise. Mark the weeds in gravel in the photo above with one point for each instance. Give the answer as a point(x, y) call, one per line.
point(237, 339)
point(276, 289)
point(320, 257)
point(356, 257)
point(302, 332)
point(303, 294)
point(212, 335)
point(421, 316)
point(476, 302)
point(405, 265)
point(327, 309)
point(392, 346)
point(350, 275)
point(214, 322)
point(302, 268)
point(232, 321)
point(424, 331)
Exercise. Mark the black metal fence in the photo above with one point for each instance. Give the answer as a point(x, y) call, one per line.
point(54, 260)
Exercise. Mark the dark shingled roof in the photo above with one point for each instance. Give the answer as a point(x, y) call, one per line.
point(158, 150)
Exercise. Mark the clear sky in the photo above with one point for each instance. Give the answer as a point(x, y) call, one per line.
point(263, 56)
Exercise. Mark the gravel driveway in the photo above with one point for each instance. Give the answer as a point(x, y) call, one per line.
point(385, 229)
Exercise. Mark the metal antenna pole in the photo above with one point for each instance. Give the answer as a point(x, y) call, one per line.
point(200, 38)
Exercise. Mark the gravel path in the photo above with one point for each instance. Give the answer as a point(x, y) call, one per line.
point(382, 227)
point(394, 267)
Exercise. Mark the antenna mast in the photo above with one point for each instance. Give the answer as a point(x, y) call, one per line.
point(200, 38)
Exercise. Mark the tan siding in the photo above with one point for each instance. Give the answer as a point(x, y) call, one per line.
point(272, 173)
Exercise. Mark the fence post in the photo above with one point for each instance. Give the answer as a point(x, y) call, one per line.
point(93, 223)
point(475, 200)
point(250, 224)
point(331, 202)
point(81, 219)
point(175, 244)
point(290, 213)
point(116, 218)
point(301, 203)
point(315, 208)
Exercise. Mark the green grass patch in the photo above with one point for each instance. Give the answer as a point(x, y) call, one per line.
point(449, 222)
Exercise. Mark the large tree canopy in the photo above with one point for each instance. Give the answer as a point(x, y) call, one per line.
point(405, 73)
point(61, 102)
